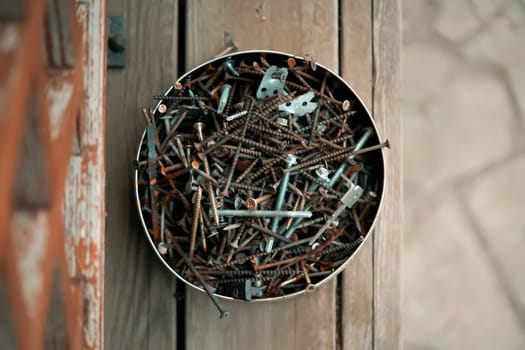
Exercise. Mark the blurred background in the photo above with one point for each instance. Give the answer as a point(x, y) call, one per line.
point(464, 114)
point(464, 167)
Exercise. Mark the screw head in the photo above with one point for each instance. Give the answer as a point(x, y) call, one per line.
point(198, 130)
point(346, 106)
point(162, 248)
point(282, 121)
point(251, 203)
point(291, 160)
point(195, 164)
point(162, 108)
point(226, 87)
point(198, 126)
point(310, 288)
point(322, 173)
point(321, 128)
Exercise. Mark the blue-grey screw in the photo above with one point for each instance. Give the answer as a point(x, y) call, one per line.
point(290, 161)
point(322, 175)
point(266, 213)
point(192, 95)
point(228, 66)
point(225, 96)
point(344, 164)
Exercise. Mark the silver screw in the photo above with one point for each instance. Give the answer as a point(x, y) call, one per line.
point(235, 116)
point(349, 199)
point(195, 219)
point(225, 96)
point(266, 213)
point(344, 164)
point(211, 194)
point(207, 289)
point(290, 161)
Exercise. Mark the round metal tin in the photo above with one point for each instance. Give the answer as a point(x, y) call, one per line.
point(352, 93)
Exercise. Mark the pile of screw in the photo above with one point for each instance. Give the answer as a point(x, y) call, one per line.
point(258, 175)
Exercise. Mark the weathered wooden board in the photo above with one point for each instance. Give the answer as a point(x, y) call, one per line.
point(35, 237)
point(371, 285)
point(357, 280)
point(308, 321)
point(140, 308)
point(84, 193)
point(387, 111)
point(297, 27)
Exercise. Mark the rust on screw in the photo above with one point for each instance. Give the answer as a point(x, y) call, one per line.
point(212, 141)
point(195, 219)
point(251, 203)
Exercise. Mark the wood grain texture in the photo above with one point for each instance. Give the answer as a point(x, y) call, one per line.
point(36, 237)
point(308, 321)
point(387, 112)
point(297, 27)
point(85, 189)
point(357, 280)
point(140, 308)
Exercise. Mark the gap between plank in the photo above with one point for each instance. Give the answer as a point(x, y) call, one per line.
point(339, 335)
point(181, 38)
point(180, 289)
point(373, 72)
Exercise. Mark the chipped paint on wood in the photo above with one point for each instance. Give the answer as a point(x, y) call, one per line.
point(35, 239)
point(91, 329)
point(30, 235)
point(84, 210)
point(59, 93)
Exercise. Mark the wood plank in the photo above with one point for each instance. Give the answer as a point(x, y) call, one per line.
point(140, 308)
point(387, 112)
point(85, 189)
point(297, 27)
point(357, 279)
point(35, 236)
point(308, 321)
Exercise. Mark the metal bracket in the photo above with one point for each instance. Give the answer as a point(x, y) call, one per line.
point(300, 105)
point(244, 290)
point(272, 82)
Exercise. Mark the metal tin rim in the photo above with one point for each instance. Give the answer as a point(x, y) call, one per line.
point(335, 272)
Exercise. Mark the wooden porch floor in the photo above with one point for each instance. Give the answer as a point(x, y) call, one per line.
point(145, 307)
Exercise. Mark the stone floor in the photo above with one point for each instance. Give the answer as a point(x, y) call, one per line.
point(464, 118)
